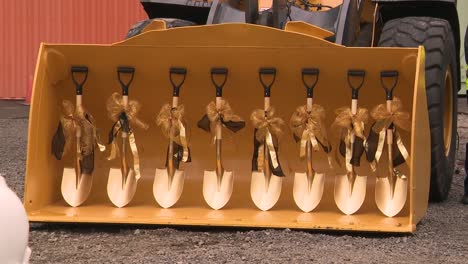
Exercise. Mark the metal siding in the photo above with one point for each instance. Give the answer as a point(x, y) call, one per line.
point(24, 24)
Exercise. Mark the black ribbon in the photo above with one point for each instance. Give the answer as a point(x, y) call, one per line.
point(278, 171)
point(357, 150)
point(178, 155)
point(124, 127)
point(234, 126)
point(58, 142)
point(326, 149)
point(373, 142)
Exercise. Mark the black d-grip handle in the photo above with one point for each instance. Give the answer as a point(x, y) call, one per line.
point(267, 87)
point(355, 89)
point(389, 90)
point(176, 86)
point(219, 86)
point(79, 84)
point(310, 72)
point(125, 70)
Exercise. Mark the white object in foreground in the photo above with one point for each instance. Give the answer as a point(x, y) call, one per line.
point(14, 227)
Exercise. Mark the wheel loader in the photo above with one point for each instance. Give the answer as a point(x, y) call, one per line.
point(319, 114)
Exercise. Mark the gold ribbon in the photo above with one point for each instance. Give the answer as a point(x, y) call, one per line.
point(74, 119)
point(115, 107)
point(267, 126)
point(171, 117)
point(349, 124)
point(384, 119)
point(308, 126)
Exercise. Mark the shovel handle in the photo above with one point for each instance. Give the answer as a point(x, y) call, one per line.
point(79, 84)
point(125, 70)
point(389, 89)
point(355, 89)
point(176, 86)
point(221, 71)
point(313, 72)
point(267, 86)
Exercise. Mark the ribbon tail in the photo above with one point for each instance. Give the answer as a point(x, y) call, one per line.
point(303, 144)
point(136, 158)
point(257, 157)
point(58, 143)
point(273, 155)
point(183, 142)
point(401, 154)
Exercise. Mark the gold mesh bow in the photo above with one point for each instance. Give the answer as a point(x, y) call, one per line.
point(115, 107)
point(308, 126)
point(74, 119)
point(345, 119)
point(172, 118)
point(264, 121)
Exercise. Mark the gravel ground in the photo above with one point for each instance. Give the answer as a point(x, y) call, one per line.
point(442, 236)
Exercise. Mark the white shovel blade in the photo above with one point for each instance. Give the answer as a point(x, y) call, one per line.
point(387, 205)
point(119, 193)
point(350, 201)
point(262, 197)
point(307, 199)
point(165, 191)
point(72, 194)
point(216, 197)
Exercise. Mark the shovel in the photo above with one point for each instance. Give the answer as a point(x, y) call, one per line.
point(390, 191)
point(122, 183)
point(217, 185)
point(308, 186)
point(265, 187)
point(350, 188)
point(76, 185)
point(169, 182)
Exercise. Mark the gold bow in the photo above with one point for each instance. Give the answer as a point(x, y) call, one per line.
point(384, 120)
point(172, 118)
point(224, 112)
point(349, 124)
point(264, 122)
point(308, 126)
point(345, 119)
point(267, 126)
point(78, 119)
point(115, 107)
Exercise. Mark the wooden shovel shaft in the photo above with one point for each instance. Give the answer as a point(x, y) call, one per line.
point(124, 141)
point(218, 133)
point(170, 152)
point(390, 151)
point(266, 156)
point(310, 170)
point(78, 147)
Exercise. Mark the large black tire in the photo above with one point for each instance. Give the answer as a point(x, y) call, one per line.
point(170, 23)
point(437, 38)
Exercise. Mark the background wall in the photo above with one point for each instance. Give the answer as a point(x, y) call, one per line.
point(24, 24)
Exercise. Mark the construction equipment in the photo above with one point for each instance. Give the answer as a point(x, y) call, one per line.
point(270, 39)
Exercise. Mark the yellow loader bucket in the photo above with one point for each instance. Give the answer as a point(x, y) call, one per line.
point(243, 49)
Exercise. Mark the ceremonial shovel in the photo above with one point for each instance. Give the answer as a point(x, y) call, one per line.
point(308, 186)
point(265, 187)
point(218, 184)
point(169, 182)
point(350, 188)
point(76, 185)
point(390, 193)
point(122, 183)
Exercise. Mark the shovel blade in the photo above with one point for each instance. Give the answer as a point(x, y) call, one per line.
point(348, 199)
point(388, 205)
point(308, 198)
point(167, 191)
point(74, 194)
point(121, 193)
point(217, 196)
point(265, 198)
